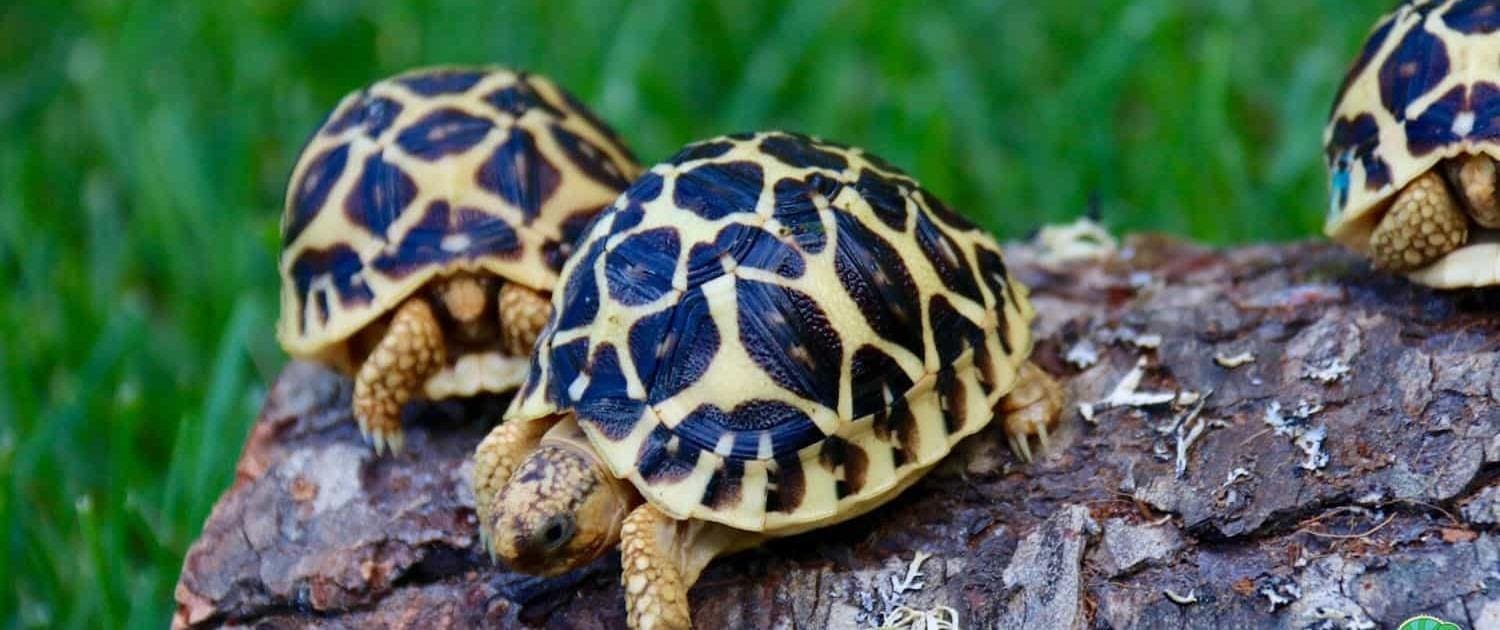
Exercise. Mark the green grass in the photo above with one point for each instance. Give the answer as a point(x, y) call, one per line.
point(144, 148)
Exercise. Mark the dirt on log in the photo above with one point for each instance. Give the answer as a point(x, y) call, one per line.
point(1308, 444)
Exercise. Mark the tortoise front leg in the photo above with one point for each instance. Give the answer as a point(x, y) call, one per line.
point(655, 588)
point(661, 558)
point(1424, 223)
point(1031, 408)
point(411, 351)
point(523, 314)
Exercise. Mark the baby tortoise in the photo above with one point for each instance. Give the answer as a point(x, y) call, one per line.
point(425, 226)
point(1412, 141)
point(764, 335)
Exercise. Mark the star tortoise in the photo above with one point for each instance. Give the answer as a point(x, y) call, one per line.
point(1412, 141)
point(764, 335)
point(425, 225)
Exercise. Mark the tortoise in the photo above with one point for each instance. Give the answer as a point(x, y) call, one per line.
point(1411, 145)
point(425, 224)
point(766, 334)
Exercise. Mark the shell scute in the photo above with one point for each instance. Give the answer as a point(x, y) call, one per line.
point(716, 190)
point(519, 175)
point(383, 193)
point(1473, 17)
point(687, 347)
point(797, 209)
point(1418, 64)
point(373, 114)
point(454, 81)
point(443, 132)
point(797, 151)
point(446, 235)
point(638, 270)
point(873, 275)
point(312, 192)
point(789, 337)
point(884, 198)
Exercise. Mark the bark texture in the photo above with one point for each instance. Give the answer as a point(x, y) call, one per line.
point(1347, 476)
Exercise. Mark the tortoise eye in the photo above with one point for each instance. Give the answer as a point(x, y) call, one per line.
point(557, 531)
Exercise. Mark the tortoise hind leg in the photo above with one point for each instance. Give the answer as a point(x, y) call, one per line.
point(1032, 408)
point(1424, 223)
point(661, 558)
point(523, 314)
point(411, 351)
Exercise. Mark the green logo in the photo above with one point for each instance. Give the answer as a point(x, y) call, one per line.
point(1423, 622)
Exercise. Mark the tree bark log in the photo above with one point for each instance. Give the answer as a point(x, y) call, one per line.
point(1349, 475)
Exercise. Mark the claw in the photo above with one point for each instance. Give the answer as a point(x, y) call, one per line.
point(1029, 409)
point(1019, 447)
point(411, 350)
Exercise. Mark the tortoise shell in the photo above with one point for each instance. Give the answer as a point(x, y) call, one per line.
point(432, 172)
point(774, 332)
point(1425, 87)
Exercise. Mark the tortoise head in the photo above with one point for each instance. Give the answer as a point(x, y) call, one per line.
point(561, 509)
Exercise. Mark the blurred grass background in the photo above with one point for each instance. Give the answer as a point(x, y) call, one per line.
point(144, 148)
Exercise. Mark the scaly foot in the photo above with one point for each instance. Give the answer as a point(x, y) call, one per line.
point(1032, 408)
point(655, 592)
point(523, 314)
point(411, 350)
point(1424, 223)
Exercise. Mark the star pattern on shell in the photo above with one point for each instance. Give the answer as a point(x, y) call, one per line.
point(430, 172)
point(768, 330)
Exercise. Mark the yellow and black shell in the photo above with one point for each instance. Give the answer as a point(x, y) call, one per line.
point(432, 172)
point(1425, 87)
point(775, 333)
